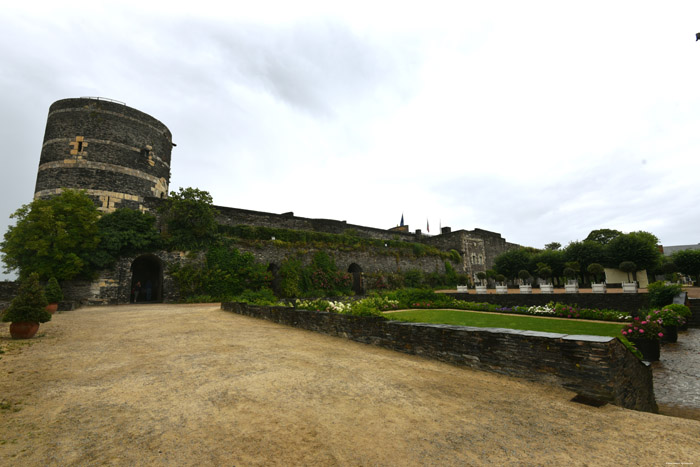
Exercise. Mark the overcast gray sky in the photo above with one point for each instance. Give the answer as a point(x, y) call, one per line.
point(538, 120)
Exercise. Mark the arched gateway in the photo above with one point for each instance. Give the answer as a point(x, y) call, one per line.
point(357, 285)
point(146, 279)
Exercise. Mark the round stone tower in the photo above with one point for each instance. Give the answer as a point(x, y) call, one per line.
point(118, 155)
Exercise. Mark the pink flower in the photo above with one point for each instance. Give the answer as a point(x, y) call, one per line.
point(641, 331)
point(644, 322)
point(661, 334)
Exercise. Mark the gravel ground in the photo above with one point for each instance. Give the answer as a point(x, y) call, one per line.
point(194, 385)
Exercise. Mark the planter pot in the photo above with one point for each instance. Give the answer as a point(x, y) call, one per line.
point(546, 288)
point(481, 289)
point(670, 334)
point(462, 289)
point(571, 288)
point(629, 287)
point(23, 329)
point(599, 288)
point(501, 289)
point(52, 307)
point(525, 289)
point(650, 349)
point(683, 327)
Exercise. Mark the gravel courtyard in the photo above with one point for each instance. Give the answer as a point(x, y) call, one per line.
point(194, 385)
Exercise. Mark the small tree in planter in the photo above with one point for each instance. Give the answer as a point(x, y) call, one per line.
point(628, 267)
point(571, 285)
point(525, 277)
point(597, 270)
point(481, 288)
point(53, 295)
point(28, 309)
point(545, 272)
point(501, 287)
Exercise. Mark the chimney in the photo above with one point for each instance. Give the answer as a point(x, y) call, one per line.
point(446, 230)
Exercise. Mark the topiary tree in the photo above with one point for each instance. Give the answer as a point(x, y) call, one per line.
point(628, 267)
point(544, 271)
point(29, 306)
point(481, 275)
point(570, 273)
point(499, 278)
point(53, 292)
point(596, 270)
point(524, 275)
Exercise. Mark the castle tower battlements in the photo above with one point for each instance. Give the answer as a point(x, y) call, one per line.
point(120, 156)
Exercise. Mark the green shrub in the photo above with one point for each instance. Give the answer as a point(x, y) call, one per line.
point(53, 291)
point(661, 294)
point(30, 303)
point(413, 278)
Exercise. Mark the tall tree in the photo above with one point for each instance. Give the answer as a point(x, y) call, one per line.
point(190, 218)
point(53, 237)
point(639, 247)
point(125, 232)
point(687, 262)
point(510, 262)
point(603, 236)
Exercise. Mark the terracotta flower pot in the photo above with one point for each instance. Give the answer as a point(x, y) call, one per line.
point(23, 329)
point(52, 307)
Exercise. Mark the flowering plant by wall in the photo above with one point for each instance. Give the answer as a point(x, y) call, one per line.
point(645, 328)
point(667, 317)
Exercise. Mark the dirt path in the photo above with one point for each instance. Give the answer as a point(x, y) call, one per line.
point(194, 385)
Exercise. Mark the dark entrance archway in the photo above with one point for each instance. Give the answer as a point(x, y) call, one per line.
point(274, 269)
point(357, 285)
point(146, 279)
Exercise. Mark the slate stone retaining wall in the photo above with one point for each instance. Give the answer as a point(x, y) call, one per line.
point(630, 303)
point(597, 367)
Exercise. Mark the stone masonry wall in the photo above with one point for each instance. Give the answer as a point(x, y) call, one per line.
point(594, 366)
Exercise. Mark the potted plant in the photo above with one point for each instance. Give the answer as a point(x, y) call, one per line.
point(645, 334)
point(571, 285)
point(481, 287)
point(53, 295)
point(683, 311)
point(628, 267)
point(597, 270)
point(670, 320)
point(501, 287)
point(545, 272)
point(525, 277)
point(28, 309)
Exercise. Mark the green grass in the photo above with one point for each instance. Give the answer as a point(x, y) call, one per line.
point(493, 320)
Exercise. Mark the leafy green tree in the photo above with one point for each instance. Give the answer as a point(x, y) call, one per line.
point(603, 236)
point(53, 291)
point(584, 253)
point(552, 258)
point(510, 262)
point(125, 232)
point(552, 246)
point(190, 218)
point(53, 237)
point(687, 262)
point(596, 270)
point(638, 247)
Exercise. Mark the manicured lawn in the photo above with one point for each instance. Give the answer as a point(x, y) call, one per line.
point(493, 320)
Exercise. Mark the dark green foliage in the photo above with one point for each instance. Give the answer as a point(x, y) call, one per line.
point(500, 278)
point(125, 232)
point(552, 246)
point(688, 262)
point(638, 247)
point(554, 259)
point(510, 262)
point(603, 236)
point(413, 278)
point(628, 267)
point(290, 275)
point(524, 275)
point(596, 270)
point(226, 273)
point(263, 296)
point(661, 294)
point(53, 237)
point(569, 273)
point(30, 303)
point(584, 253)
point(190, 217)
point(450, 277)
point(53, 291)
